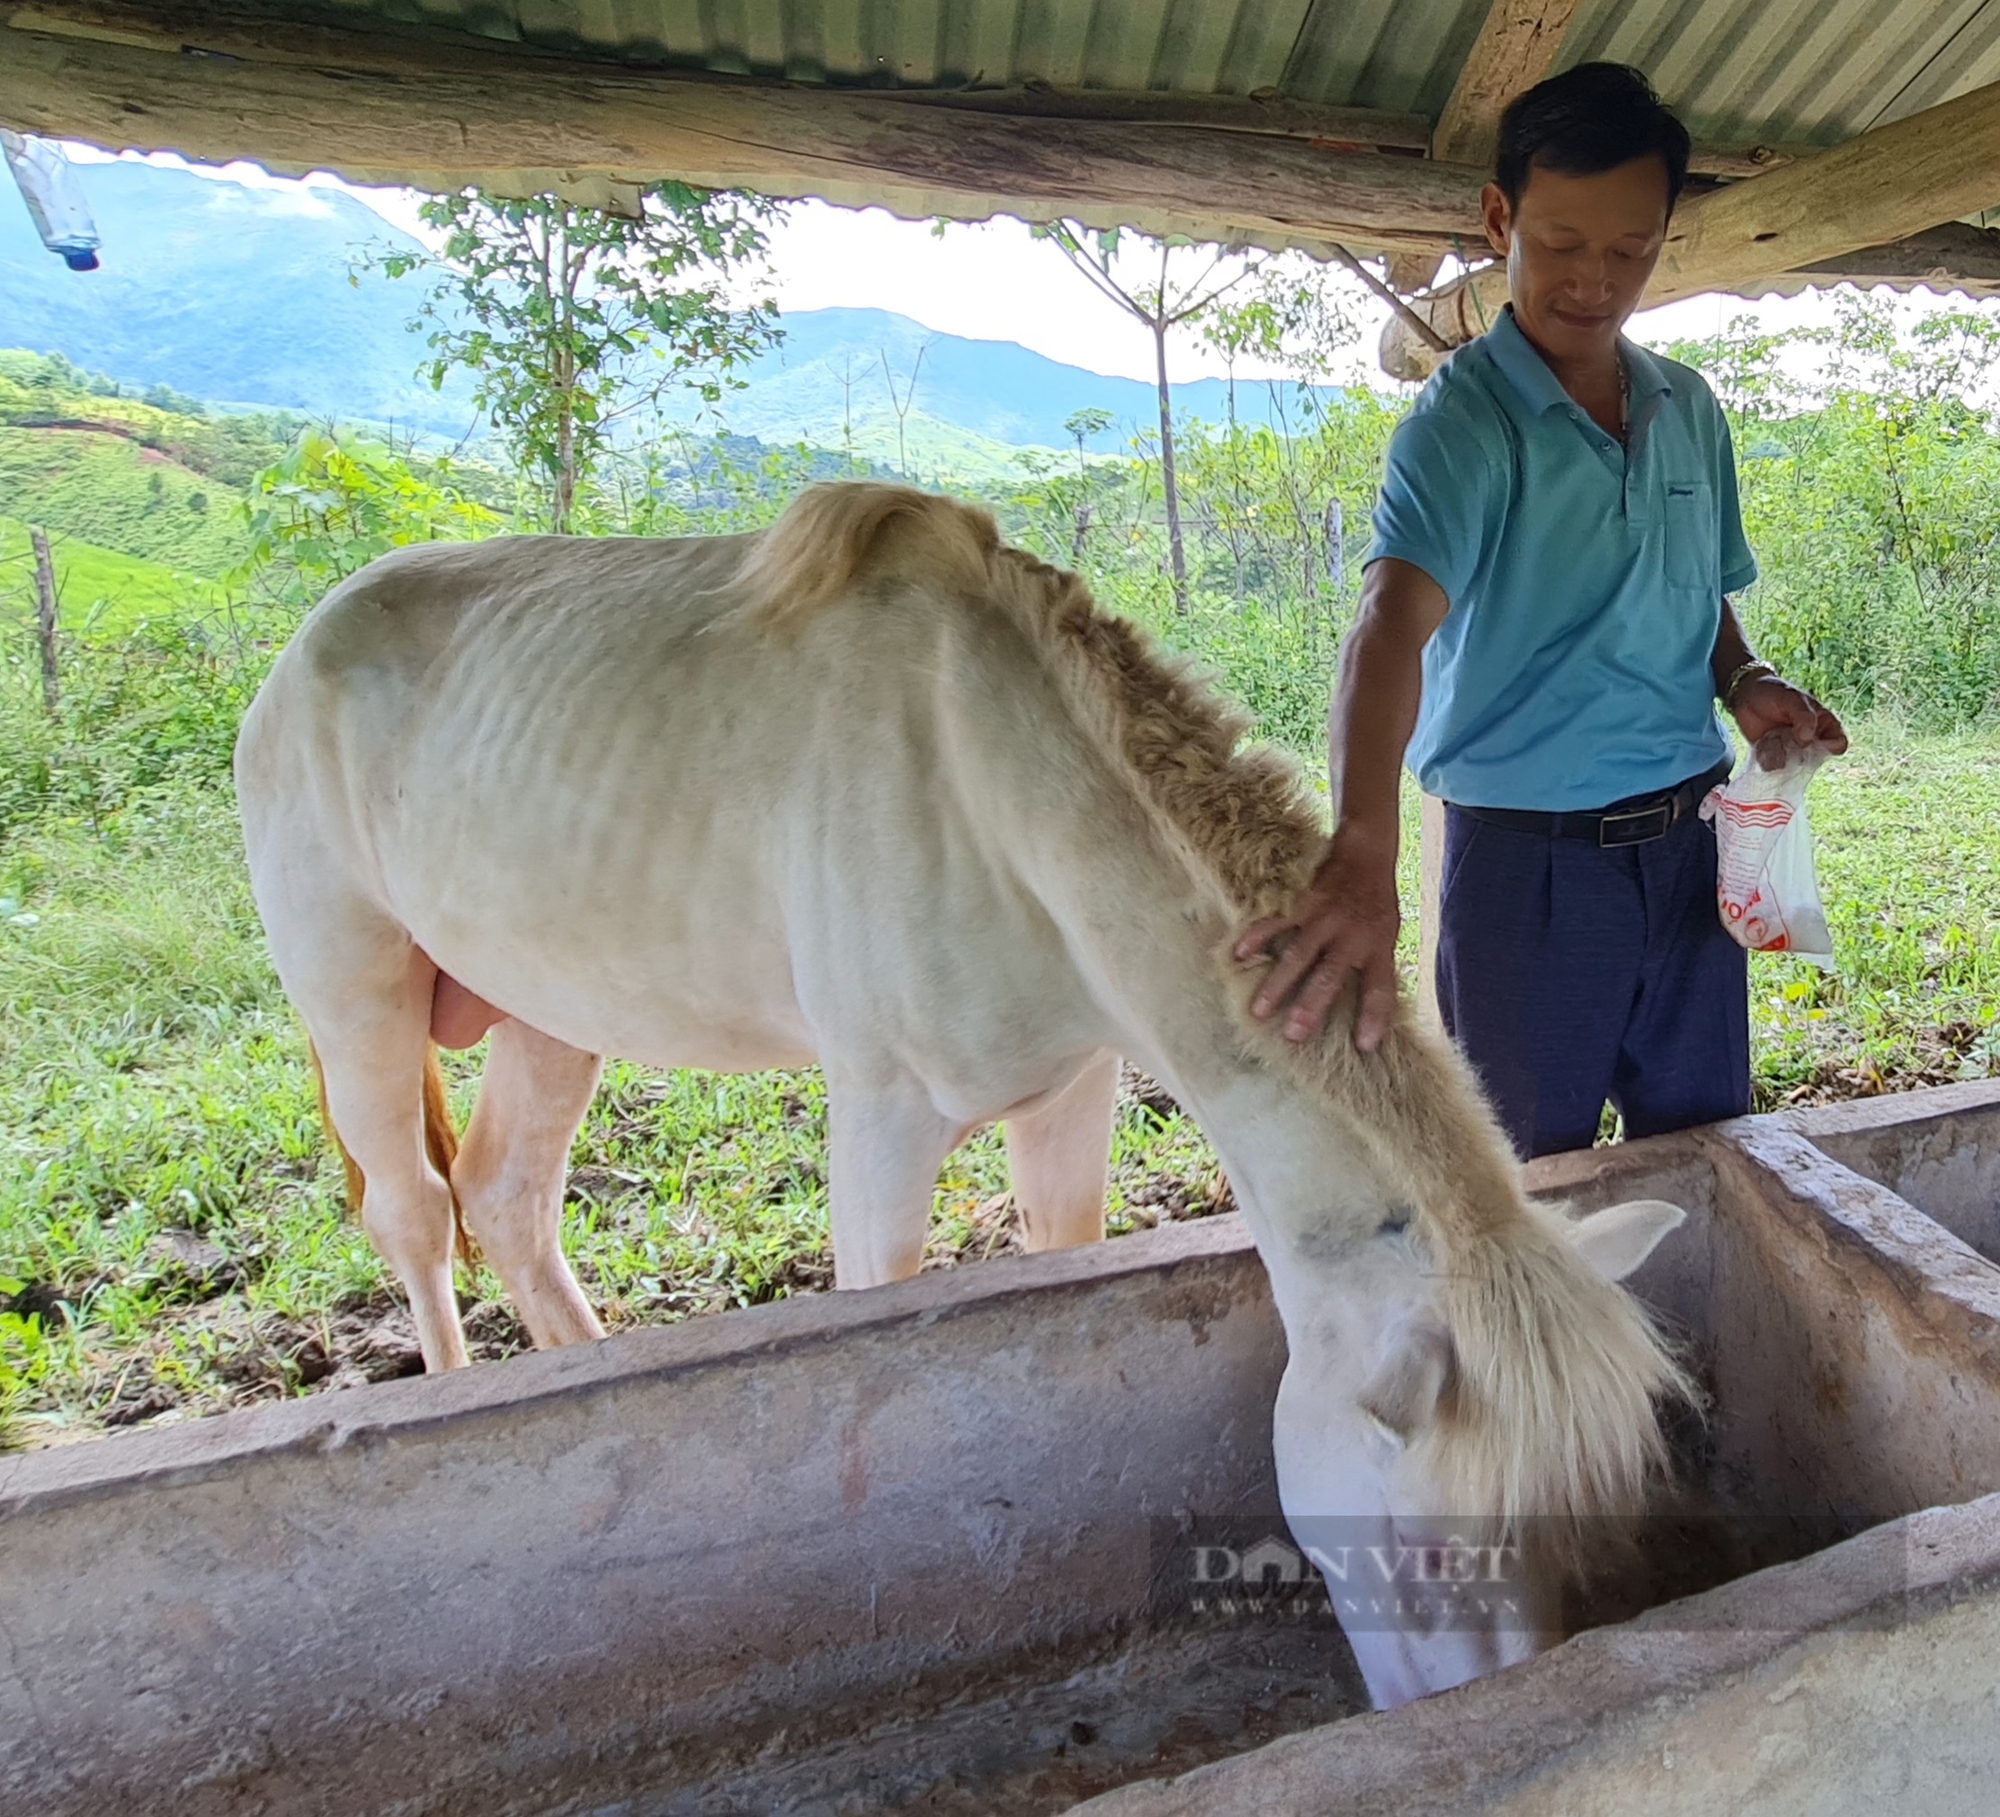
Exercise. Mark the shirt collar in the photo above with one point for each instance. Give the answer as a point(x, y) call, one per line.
point(1540, 390)
point(1649, 377)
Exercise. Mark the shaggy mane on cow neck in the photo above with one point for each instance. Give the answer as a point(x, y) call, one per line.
point(1549, 1409)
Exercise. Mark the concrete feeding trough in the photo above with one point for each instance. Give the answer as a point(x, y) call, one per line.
point(904, 1549)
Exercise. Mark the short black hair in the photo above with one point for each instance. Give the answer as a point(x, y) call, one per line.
point(1589, 119)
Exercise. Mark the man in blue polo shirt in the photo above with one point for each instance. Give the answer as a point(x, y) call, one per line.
point(1545, 628)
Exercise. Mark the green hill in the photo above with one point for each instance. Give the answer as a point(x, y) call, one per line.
point(232, 294)
point(98, 486)
point(160, 483)
point(935, 451)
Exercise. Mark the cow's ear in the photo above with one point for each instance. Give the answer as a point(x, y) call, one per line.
point(1616, 1240)
point(1400, 1399)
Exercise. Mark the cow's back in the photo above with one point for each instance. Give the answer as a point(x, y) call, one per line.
point(605, 799)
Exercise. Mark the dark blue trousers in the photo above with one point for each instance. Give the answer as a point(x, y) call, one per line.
point(1569, 974)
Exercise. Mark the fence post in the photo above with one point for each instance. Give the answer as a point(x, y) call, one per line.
point(1430, 898)
point(45, 614)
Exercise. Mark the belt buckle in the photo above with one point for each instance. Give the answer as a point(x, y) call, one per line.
point(1636, 826)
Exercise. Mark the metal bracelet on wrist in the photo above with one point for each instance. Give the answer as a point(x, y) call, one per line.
point(1742, 673)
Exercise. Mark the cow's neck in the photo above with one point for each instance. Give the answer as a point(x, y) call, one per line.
point(1299, 1175)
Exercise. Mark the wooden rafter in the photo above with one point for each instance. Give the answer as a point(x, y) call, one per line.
point(1270, 114)
point(1515, 49)
point(1953, 256)
point(1881, 208)
point(225, 33)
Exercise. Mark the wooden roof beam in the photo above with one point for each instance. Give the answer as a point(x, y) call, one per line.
point(243, 27)
point(434, 109)
point(1266, 112)
point(1916, 173)
point(1829, 217)
point(1945, 259)
point(1951, 257)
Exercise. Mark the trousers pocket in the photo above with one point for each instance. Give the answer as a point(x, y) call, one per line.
point(1461, 831)
point(1694, 544)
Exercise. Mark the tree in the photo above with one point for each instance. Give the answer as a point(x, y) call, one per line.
point(337, 500)
point(1284, 482)
point(1161, 308)
point(572, 318)
point(901, 405)
point(1869, 469)
point(1081, 425)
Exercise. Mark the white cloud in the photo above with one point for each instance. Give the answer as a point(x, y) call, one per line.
point(992, 281)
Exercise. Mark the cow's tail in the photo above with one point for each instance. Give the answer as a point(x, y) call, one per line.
point(440, 1141)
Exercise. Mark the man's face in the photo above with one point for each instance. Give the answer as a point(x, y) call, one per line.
point(1579, 252)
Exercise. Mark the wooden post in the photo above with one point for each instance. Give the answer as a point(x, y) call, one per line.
point(1430, 893)
point(45, 614)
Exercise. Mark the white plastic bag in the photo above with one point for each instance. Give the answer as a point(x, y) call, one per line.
point(1764, 881)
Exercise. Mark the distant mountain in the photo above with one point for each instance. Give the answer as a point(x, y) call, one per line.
point(235, 295)
point(241, 296)
point(835, 366)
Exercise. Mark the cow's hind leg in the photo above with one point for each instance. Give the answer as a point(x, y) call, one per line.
point(1059, 1155)
point(364, 992)
point(511, 1169)
point(886, 1142)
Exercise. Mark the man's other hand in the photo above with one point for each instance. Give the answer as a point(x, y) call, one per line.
point(1766, 704)
point(1341, 932)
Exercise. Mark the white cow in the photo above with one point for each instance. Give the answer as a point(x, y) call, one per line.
point(871, 790)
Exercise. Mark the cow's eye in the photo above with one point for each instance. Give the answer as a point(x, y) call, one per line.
point(1396, 1222)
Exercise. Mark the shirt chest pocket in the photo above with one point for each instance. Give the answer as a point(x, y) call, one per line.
point(1693, 552)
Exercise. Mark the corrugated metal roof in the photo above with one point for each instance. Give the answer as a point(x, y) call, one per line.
point(1739, 71)
point(1807, 71)
point(1182, 46)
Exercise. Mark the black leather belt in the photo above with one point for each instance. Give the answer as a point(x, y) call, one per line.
point(1637, 821)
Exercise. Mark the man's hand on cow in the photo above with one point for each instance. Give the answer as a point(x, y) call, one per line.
point(1765, 704)
point(1341, 933)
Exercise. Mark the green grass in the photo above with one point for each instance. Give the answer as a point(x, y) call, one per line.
point(1906, 830)
point(99, 592)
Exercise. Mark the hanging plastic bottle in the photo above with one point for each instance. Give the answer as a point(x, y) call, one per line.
point(54, 198)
